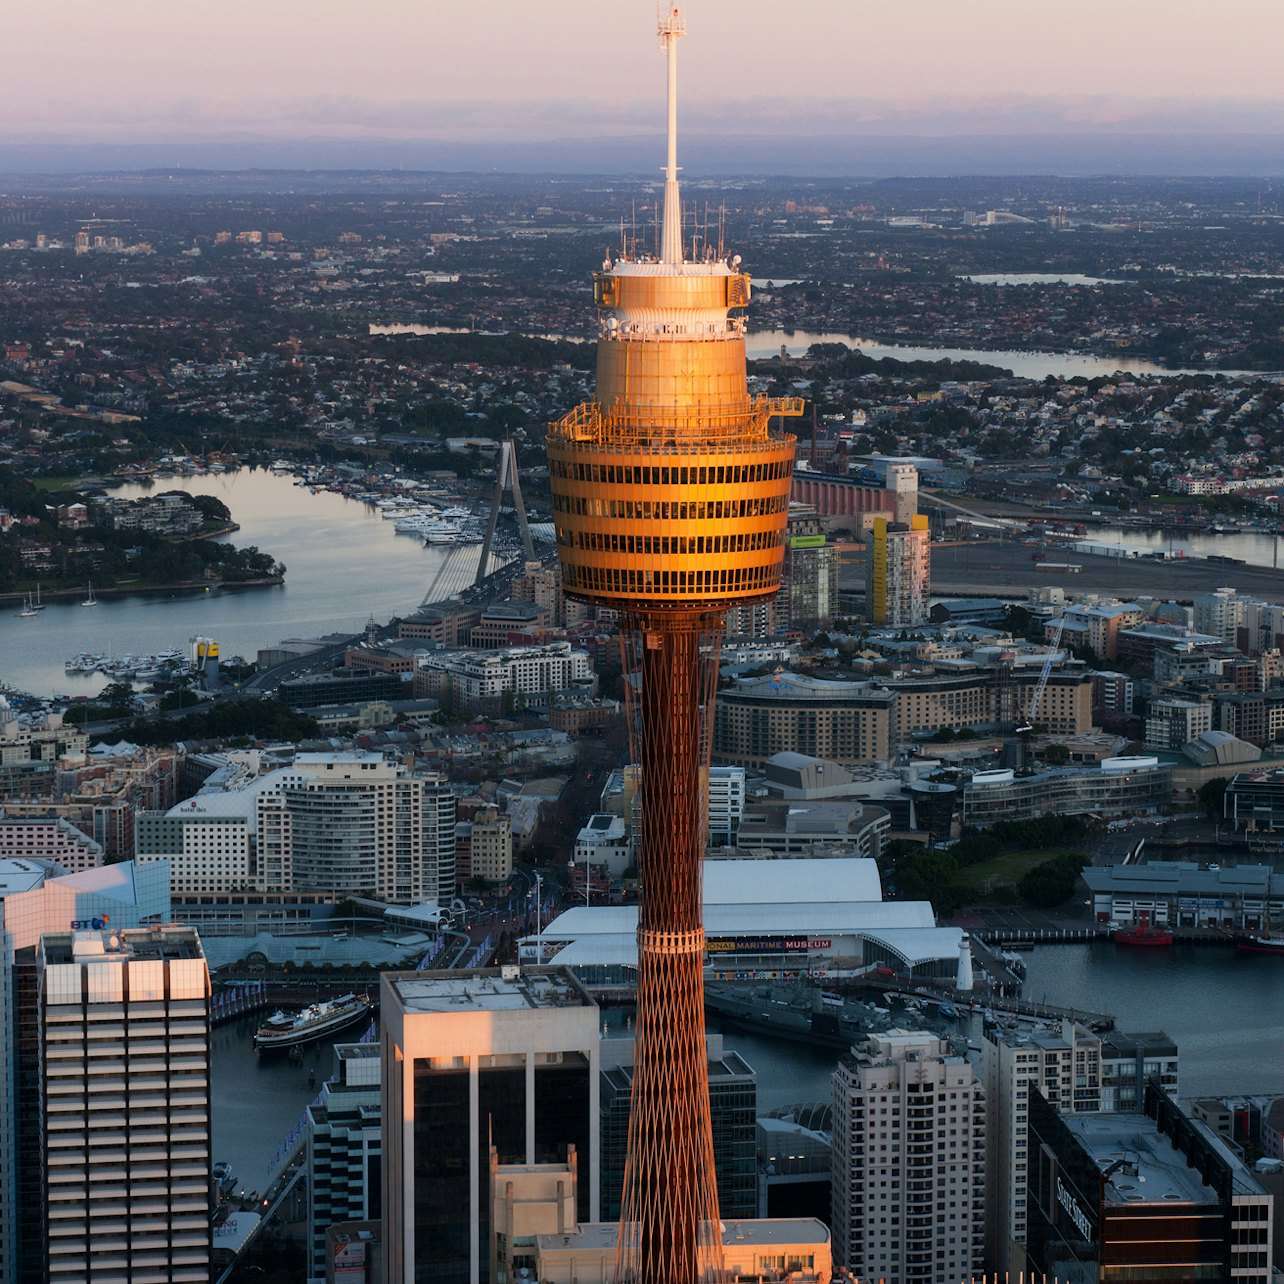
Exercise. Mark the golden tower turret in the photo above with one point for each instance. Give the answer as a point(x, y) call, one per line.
point(670, 498)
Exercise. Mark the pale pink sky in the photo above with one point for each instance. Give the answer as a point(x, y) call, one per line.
point(134, 70)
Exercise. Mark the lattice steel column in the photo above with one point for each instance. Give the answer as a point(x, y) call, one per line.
point(669, 1225)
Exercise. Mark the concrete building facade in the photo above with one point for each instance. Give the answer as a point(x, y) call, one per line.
point(488, 681)
point(908, 1161)
point(490, 845)
point(354, 822)
point(344, 1132)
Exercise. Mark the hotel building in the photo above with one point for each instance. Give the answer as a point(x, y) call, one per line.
point(909, 1184)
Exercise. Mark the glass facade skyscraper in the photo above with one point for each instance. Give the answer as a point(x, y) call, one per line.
point(472, 1060)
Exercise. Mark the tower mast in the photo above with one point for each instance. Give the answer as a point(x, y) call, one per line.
point(672, 28)
point(670, 497)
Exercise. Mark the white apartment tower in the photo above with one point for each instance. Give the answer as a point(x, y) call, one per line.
point(495, 1061)
point(125, 1076)
point(1066, 1068)
point(726, 805)
point(908, 1161)
point(354, 822)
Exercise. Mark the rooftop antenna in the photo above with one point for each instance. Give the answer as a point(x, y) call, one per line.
point(635, 225)
point(671, 29)
point(722, 229)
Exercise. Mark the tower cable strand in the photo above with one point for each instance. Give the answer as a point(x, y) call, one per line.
point(670, 497)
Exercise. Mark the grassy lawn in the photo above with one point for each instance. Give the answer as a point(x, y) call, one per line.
point(57, 483)
point(976, 881)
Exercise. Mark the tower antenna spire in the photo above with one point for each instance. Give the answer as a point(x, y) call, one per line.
point(671, 28)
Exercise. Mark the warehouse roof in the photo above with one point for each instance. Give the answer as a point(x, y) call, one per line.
point(757, 882)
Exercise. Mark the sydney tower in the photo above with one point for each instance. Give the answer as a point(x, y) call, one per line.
point(670, 495)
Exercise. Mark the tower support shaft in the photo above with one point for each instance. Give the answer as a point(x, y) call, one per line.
point(669, 1226)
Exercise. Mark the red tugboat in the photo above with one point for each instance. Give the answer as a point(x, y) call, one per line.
point(1144, 934)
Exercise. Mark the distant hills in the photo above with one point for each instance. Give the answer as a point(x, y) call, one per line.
point(864, 156)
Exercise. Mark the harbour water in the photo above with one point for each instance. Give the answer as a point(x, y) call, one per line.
point(1222, 1008)
point(1026, 364)
point(257, 1100)
point(1257, 548)
point(343, 564)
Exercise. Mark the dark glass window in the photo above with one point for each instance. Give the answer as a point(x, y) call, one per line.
point(562, 1119)
point(441, 1213)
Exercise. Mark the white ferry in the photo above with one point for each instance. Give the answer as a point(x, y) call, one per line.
point(291, 1029)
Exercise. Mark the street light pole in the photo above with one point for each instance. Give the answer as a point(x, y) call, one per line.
point(539, 940)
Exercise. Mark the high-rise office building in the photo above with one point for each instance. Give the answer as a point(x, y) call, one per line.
point(343, 1137)
point(473, 1060)
point(670, 498)
point(1152, 1196)
point(1129, 1061)
point(898, 571)
point(35, 899)
point(908, 1161)
point(1065, 1066)
point(125, 1056)
point(733, 1109)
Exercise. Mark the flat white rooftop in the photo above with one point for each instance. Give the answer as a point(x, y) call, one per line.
point(1152, 1171)
point(488, 990)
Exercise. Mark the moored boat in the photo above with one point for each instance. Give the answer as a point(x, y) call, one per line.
point(1145, 934)
point(1260, 943)
point(287, 1030)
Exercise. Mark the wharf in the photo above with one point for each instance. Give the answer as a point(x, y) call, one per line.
point(1012, 1006)
point(1006, 569)
point(988, 1001)
point(1017, 938)
point(227, 1005)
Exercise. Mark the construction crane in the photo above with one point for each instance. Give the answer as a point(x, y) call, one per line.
point(1041, 686)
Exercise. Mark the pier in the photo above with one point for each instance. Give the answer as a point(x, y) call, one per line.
point(1019, 938)
point(227, 1005)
